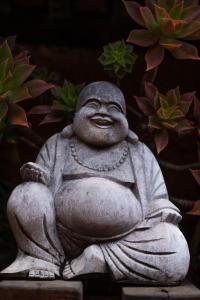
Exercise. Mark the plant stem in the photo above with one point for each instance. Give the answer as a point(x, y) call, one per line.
point(175, 167)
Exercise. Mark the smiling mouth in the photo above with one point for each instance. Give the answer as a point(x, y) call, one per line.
point(102, 122)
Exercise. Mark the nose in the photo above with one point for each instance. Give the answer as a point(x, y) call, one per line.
point(103, 110)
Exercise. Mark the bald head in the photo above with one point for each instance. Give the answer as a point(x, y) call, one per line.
point(102, 91)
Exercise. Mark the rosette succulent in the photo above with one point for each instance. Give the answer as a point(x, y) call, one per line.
point(167, 25)
point(165, 112)
point(64, 105)
point(14, 87)
point(118, 59)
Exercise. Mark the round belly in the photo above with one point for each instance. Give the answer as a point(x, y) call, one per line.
point(97, 207)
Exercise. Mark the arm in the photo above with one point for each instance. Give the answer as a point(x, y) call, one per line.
point(40, 171)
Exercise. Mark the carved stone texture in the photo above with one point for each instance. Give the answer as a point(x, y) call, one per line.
point(40, 290)
point(95, 201)
point(185, 291)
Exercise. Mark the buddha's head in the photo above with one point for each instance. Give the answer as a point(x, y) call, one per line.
point(100, 118)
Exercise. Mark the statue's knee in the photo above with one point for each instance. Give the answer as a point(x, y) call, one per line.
point(28, 195)
point(175, 263)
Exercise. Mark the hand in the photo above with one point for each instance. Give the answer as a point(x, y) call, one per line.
point(170, 216)
point(34, 172)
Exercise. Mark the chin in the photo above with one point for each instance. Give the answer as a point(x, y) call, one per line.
point(100, 137)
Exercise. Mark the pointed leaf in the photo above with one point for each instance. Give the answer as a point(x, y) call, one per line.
point(5, 53)
point(191, 13)
point(186, 51)
point(172, 98)
point(190, 29)
point(161, 140)
point(40, 110)
point(176, 10)
point(151, 90)
point(154, 122)
point(17, 115)
point(3, 109)
point(196, 175)
point(22, 58)
point(167, 26)
point(160, 13)
point(185, 105)
point(19, 95)
point(142, 37)
point(145, 106)
point(184, 125)
point(170, 45)
point(4, 67)
point(196, 111)
point(196, 209)
point(154, 57)
point(51, 119)
point(133, 9)
point(20, 74)
point(148, 18)
point(37, 87)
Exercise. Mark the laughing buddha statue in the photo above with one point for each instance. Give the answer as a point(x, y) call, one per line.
point(95, 202)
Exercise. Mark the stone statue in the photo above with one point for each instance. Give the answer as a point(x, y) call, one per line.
point(95, 202)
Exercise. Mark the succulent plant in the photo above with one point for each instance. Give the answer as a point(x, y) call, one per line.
point(167, 24)
point(165, 112)
point(118, 59)
point(14, 87)
point(64, 105)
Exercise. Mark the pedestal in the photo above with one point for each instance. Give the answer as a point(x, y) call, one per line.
point(186, 291)
point(40, 290)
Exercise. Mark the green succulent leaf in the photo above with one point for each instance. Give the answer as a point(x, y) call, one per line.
point(118, 58)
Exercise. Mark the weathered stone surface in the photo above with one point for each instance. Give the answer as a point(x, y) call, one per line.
point(40, 290)
point(185, 291)
point(95, 201)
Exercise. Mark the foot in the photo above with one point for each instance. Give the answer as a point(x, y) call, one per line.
point(41, 274)
point(90, 261)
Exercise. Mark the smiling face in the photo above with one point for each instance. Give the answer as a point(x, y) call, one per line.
point(100, 119)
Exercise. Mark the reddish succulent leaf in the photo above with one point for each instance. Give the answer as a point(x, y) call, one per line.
point(161, 139)
point(172, 96)
point(17, 115)
point(51, 119)
point(177, 9)
point(188, 96)
point(3, 109)
point(22, 58)
point(184, 125)
point(170, 45)
point(133, 9)
point(160, 12)
point(185, 105)
point(169, 125)
point(20, 95)
point(40, 110)
point(5, 53)
point(196, 175)
point(145, 106)
point(167, 26)
point(196, 209)
point(20, 74)
point(151, 90)
point(150, 76)
point(37, 87)
point(4, 67)
point(190, 29)
point(154, 56)
point(191, 13)
point(196, 111)
point(154, 122)
point(186, 51)
point(142, 37)
point(148, 18)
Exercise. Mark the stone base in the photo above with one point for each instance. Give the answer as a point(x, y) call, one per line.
point(40, 290)
point(185, 291)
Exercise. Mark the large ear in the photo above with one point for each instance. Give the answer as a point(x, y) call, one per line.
point(67, 132)
point(132, 137)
